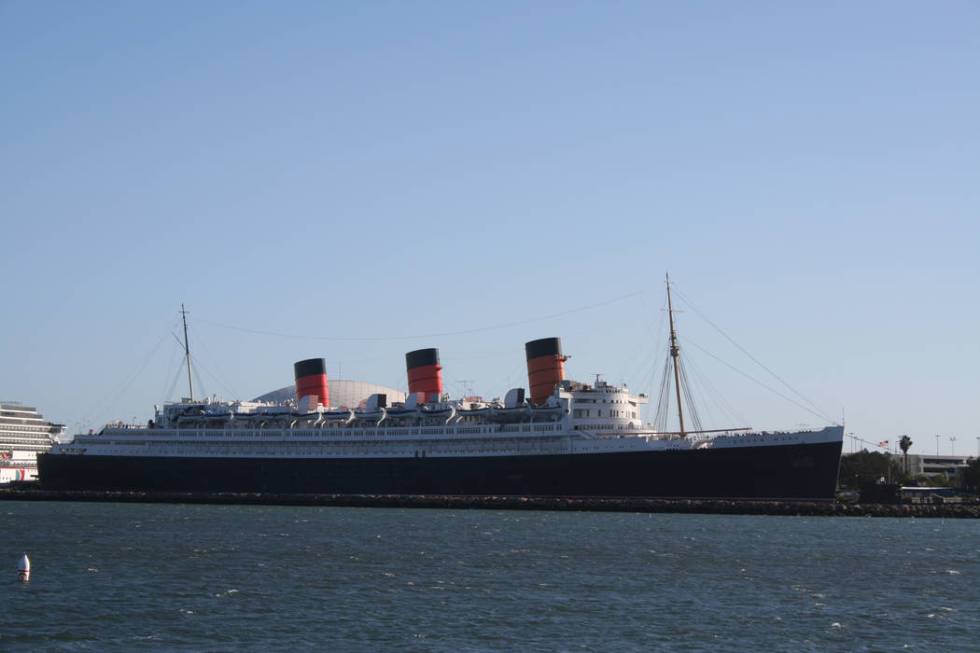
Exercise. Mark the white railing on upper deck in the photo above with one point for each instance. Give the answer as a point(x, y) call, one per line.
point(351, 434)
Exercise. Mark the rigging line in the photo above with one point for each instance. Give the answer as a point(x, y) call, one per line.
point(648, 376)
point(753, 358)
point(696, 385)
point(757, 381)
point(462, 332)
point(641, 359)
point(164, 395)
point(200, 342)
point(109, 403)
point(713, 393)
point(197, 377)
point(173, 384)
point(663, 399)
point(635, 360)
point(231, 393)
point(516, 370)
point(689, 400)
point(694, 395)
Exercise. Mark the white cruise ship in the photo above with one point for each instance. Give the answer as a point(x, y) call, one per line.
point(24, 433)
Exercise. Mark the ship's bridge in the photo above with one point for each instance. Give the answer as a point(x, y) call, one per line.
point(601, 406)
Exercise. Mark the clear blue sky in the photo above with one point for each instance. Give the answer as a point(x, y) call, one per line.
point(808, 173)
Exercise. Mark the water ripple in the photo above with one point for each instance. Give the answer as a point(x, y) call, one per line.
point(231, 578)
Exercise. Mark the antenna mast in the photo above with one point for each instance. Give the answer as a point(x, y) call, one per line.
point(187, 355)
point(675, 351)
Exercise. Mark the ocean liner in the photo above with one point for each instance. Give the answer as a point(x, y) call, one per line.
point(559, 438)
point(24, 433)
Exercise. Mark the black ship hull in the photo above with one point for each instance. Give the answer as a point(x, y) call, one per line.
point(806, 471)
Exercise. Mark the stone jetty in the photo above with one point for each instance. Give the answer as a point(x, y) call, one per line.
point(593, 504)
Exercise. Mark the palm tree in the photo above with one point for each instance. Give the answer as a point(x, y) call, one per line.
point(905, 444)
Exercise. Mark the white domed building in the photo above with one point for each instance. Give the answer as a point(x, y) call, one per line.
point(343, 393)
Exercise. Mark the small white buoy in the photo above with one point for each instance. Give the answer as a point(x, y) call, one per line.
point(24, 569)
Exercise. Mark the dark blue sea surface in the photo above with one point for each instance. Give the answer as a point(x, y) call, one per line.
point(126, 577)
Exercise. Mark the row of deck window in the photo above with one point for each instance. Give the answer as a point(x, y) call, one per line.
point(586, 412)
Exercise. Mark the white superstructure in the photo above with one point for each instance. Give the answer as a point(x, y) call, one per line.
point(576, 419)
point(24, 433)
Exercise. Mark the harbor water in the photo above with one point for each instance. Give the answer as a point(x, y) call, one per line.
point(121, 577)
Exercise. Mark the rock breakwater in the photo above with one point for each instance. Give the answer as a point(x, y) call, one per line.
point(455, 502)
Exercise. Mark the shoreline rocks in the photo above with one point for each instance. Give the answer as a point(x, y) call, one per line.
point(456, 502)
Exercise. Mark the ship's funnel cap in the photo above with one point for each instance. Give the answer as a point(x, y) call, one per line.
point(310, 367)
point(543, 347)
point(421, 357)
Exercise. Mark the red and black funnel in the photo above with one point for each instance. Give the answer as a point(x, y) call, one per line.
point(545, 368)
point(424, 374)
point(311, 380)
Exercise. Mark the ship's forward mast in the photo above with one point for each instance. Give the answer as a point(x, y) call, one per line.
point(187, 354)
point(675, 375)
point(675, 388)
point(675, 354)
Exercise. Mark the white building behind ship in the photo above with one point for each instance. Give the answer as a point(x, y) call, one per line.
point(930, 465)
point(343, 392)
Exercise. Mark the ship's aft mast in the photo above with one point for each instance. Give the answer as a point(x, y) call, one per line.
point(675, 351)
point(187, 354)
